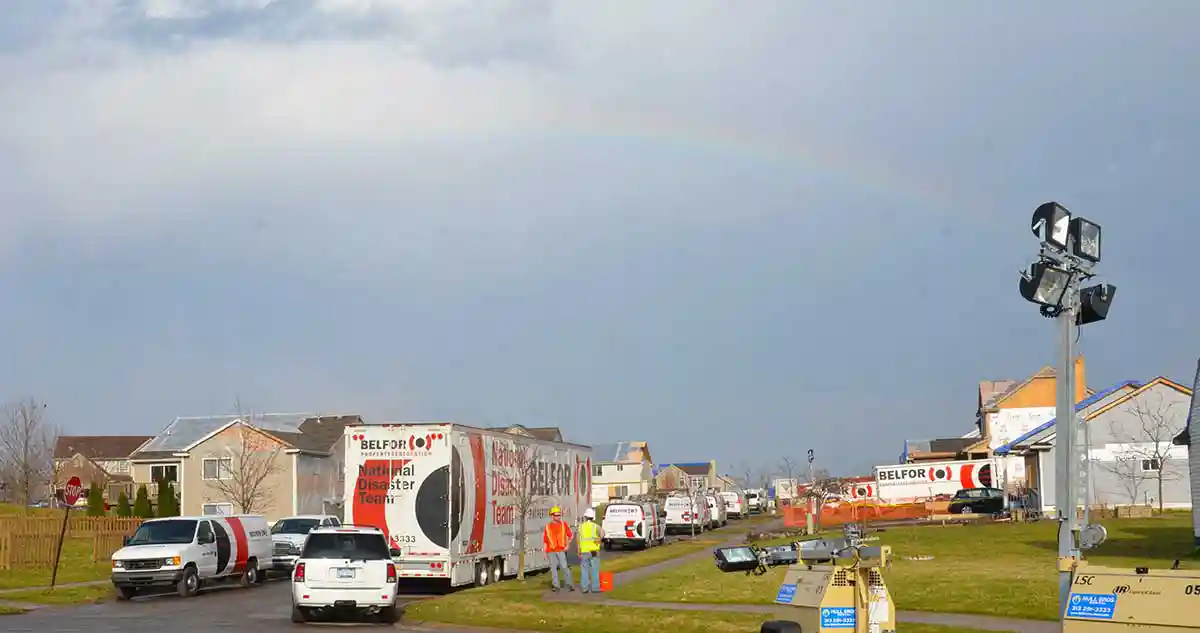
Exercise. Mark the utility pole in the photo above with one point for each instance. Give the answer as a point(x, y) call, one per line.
point(1070, 249)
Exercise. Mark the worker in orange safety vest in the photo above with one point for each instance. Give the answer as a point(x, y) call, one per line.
point(556, 537)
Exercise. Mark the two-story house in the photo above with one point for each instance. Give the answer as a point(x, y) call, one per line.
point(97, 459)
point(272, 464)
point(683, 475)
point(620, 471)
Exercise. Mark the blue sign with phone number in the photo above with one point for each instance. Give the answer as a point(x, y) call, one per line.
point(837, 617)
point(1092, 606)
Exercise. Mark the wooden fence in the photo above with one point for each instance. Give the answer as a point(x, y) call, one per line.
point(31, 541)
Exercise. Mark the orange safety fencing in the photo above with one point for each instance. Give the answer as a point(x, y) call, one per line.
point(835, 514)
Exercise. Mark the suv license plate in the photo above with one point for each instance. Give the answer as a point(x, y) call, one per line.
point(345, 572)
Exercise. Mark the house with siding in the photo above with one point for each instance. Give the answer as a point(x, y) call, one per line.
point(97, 459)
point(277, 464)
point(681, 475)
point(1131, 426)
point(621, 470)
point(1189, 437)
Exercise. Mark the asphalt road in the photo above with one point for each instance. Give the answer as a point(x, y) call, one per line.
point(261, 609)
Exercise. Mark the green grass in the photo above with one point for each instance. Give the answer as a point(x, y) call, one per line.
point(521, 605)
point(76, 566)
point(1004, 570)
point(89, 594)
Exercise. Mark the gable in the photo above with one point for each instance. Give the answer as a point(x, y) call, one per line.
point(1156, 412)
point(238, 438)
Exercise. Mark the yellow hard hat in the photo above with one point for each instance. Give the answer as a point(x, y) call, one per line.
point(556, 510)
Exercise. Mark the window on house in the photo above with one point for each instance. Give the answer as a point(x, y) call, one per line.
point(1151, 465)
point(216, 468)
point(119, 467)
point(164, 472)
point(618, 492)
point(597, 471)
point(217, 509)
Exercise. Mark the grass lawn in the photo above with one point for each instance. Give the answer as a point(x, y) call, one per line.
point(89, 594)
point(76, 566)
point(997, 569)
point(520, 605)
point(656, 555)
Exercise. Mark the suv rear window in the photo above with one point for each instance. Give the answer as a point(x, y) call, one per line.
point(348, 545)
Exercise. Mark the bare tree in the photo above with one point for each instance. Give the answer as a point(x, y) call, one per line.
point(246, 467)
point(27, 450)
point(1148, 438)
point(517, 493)
point(823, 488)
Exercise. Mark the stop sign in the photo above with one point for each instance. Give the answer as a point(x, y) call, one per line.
point(73, 491)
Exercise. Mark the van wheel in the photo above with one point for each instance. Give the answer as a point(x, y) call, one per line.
point(298, 614)
point(189, 585)
point(608, 546)
point(125, 593)
point(250, 575)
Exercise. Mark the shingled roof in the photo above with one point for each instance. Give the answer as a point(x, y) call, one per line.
point(309, 433)
point(98, 446)
point(317, 434)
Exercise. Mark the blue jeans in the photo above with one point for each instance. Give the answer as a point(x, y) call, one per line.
point(589, 568)
point(558, 560)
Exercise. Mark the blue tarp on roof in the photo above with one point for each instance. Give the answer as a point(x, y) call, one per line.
point(1083, 404)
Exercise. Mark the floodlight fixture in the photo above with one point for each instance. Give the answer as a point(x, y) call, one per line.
point(1045, 284)
point(1085, 239)
point(1094, 303)
point(1051, 224)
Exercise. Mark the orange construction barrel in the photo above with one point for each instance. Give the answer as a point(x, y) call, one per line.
point(606, 579)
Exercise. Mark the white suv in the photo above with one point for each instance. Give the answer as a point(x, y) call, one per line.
point(345, 569)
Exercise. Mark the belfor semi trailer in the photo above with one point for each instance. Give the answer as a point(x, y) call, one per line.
point(447, 496)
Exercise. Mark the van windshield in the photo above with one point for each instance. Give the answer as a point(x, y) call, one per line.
point(166, 532)
point(346, 545)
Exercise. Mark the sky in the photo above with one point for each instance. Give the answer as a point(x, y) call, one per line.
point(735, 230)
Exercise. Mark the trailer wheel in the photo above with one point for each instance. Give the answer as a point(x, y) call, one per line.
point(497, 566)
point(482, 575)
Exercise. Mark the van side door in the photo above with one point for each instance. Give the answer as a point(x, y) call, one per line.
point(206, 550)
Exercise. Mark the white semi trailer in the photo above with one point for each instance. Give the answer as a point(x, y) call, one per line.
point(447, 496)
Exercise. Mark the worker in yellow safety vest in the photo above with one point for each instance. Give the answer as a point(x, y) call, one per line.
point(590, 535)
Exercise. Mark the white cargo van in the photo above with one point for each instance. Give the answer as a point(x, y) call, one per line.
point(735, 504)
point(754, 501)
point(716, 510)
point(188, 553)
point(685, 515)
point(633, 524)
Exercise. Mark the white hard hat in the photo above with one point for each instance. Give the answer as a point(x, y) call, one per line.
point(589, 514)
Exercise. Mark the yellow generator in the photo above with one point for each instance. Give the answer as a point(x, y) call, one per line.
point(1108, 600)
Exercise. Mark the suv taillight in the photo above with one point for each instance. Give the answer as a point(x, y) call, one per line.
point(391, 576)
point(298, 576)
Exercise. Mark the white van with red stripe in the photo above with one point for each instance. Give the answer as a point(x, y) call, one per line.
point(448, 496)
point(633, 524)
point(187, 553)
point(686, 515)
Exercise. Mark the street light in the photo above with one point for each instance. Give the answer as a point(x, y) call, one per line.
point(1070, 249)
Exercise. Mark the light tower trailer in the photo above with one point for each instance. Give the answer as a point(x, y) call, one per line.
point(448, 496)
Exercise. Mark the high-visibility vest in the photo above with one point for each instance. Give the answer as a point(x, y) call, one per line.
point(589, 537)
point(556, 536)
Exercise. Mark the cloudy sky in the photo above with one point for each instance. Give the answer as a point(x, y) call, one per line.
point(737, 230)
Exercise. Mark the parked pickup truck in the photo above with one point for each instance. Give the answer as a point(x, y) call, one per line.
point(288, 534)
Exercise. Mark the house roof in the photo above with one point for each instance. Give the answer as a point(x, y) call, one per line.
point(1043, 431)
point(298, 430)
point(989, 390)
point(628, 452)
point(1157, 380)
point(692, 468)
point(544, 433)
point(98, 446)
